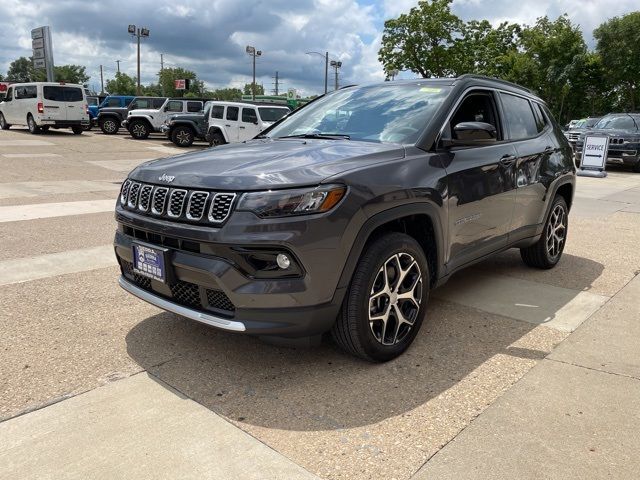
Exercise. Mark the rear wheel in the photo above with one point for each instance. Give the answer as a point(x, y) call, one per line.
point(109, 125)
point(139, 129)
point(385, 304)
point(546, 252)
point(77, 130)
point(3, 123)
point(31, 124)
point(45, 128)
point(182, 136)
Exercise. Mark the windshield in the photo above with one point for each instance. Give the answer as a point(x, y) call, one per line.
point(625, 122)
point(383, 113)
point(271, 114)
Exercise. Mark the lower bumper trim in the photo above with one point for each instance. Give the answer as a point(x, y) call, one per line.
point(160, 302)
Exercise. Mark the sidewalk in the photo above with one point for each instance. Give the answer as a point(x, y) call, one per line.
point(575, 415)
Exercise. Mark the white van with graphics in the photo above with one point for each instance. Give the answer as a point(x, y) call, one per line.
point(44, 105)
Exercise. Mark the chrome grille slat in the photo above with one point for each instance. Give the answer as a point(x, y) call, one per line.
point(196, 204)
point(145, 198)
point(221, 207)
point(134, 190)
point(176, 202)
point(124, 192)
point(159, 200)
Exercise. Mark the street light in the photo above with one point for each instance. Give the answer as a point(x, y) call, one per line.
point(138, 32)
point(336, 65)
point(326, 67)
point(254, 53)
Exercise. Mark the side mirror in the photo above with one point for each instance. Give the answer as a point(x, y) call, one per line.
point(166, 109)
point(472, 134)
point(255, 122)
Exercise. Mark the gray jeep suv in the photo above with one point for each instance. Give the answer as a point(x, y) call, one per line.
point(344, 215)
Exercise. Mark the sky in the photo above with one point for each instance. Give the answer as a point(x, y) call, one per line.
point(210, 36)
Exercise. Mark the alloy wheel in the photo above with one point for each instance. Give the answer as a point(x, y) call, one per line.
point(109, 126)
point(556, 231)
point(394, 302)
point(139, 130)
point(183, 137)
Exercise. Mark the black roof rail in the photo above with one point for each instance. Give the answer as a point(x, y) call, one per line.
point(493, 79)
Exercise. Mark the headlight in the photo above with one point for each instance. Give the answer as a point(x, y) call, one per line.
point(282, 203)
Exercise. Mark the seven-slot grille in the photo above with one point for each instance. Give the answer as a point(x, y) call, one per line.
point(177, 203)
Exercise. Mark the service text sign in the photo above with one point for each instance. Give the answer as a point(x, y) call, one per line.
point(594, 152)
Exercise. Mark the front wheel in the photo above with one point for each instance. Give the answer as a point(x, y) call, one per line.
point(3, 123)
point(546, 252)
point(385, 304)
point(182, 136)
point(139, 129)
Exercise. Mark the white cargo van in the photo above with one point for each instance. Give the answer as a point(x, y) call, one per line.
point(44, 105)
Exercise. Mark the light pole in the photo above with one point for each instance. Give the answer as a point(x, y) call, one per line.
point(254, 53)
point(336, 65)
point(138, 32)
point(118, 63)
point(326, 67)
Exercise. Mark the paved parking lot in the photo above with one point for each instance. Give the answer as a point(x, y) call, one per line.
point(95, 383)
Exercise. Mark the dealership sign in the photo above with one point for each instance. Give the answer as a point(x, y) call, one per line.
point(42, 50)
point(594, 155)
point(182, 84)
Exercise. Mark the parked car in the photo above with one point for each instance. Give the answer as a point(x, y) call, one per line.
point(44, 105)
point(580, 127)
point(324, 225)
point(623, 130)
point(231, 122)
point(93, 104)
point(116, 108)
point(141, 122)
point(183, 129)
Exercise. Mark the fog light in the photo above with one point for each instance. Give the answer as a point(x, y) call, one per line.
point(283, 261)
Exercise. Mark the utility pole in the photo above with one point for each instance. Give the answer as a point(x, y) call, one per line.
point(254, 53)
point(161, 72)
point(118, 63)
point(325, 56)
point(101, 80)
point(138, 32)
point(277, 85)
point(336, 65)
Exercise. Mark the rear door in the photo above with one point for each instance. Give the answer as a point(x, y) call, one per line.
point(231, 123)
point(75, 102)
point(55, 106)
point(248, 127)
point(9, 107)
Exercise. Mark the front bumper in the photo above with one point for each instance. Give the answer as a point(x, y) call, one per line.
point(627, 157)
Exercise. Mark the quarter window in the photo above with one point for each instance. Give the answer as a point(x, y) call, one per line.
point(217, 111)
point(194, 107)
point(112, 102)
point(29, 91)
point(232, 113)
point(541, 121)
point(519, 117)
point(249, 115)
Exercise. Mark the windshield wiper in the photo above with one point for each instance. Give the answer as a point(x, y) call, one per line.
point(634, 121)
point(329, 136)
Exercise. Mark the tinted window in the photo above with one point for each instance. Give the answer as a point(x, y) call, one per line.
point(476, 107)
point(9, 95)
point(62, 94)
point(249, 115)
point(519, 117)
point(395, 113)
point(156, 103)
point(269, 114)
point(194, 107)
point(93, 101)
point(232, 113)
point(541, 121)
point(29, 91)
point(217, 111)
point(626, 122)
point(174, 106)
point(146, 103)
point(112, 102)
point(72, 94)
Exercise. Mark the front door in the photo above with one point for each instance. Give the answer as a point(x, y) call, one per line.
point(248, 127)
point(10, 108)
point(481, 185)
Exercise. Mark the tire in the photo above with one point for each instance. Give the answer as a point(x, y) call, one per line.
point(109, 125)
point(361, 331)
point(77, 130)
point(636, 167)
point(139, 129)
point(45, 128)
point(215, 139)
point(86, 128)
point(183, 136)
point(546, 252)
point(33, 127)
point(3, 123)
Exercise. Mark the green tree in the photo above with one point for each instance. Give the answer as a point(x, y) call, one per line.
point(484, 50)
point(71, 74)
point(618, 43)
point(21, 70)
point(227, 94)
point(122, 84)
point(259, 89)
point(422, 40)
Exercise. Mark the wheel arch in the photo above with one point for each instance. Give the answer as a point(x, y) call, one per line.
point(217, 129)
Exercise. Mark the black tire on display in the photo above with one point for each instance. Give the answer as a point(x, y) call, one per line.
point(109, 125)
point(77, 130)
point(546, 252)
point(385, 304)
point(183, 136)
point(139, 129)
point(3, 123)
point(31, 124)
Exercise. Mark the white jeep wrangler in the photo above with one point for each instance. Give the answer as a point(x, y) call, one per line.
point(231, 122)
point(141, 123)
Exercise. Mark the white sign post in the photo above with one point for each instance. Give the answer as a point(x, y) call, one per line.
point(594, 156)
point(43, 50)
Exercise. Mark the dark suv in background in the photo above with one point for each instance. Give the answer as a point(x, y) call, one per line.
point(343, 216)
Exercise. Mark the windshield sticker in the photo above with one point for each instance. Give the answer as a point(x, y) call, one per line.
point(430, 89)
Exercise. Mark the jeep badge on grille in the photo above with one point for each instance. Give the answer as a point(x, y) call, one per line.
point(166, 178)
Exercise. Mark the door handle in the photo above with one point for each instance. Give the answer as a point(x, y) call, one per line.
point(549, 150)
point(243, 128)
point(226, 125)
point(508, 160)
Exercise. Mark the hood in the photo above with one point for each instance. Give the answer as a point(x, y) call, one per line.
point(266, 163)
point(613, 132)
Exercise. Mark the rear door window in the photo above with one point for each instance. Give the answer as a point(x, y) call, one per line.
point(249, 115)
point(217, 111)
point(232, 113)
point(29, 91)
point(519, 117)
point(174, 106)
point(194, 107)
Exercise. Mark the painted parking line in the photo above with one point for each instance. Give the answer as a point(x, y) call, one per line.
point(21, 270)
point(35, 189)
point(554, 307)
point(16, 213)
point(30, 155)
point(119, 165)
point(25, 143)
